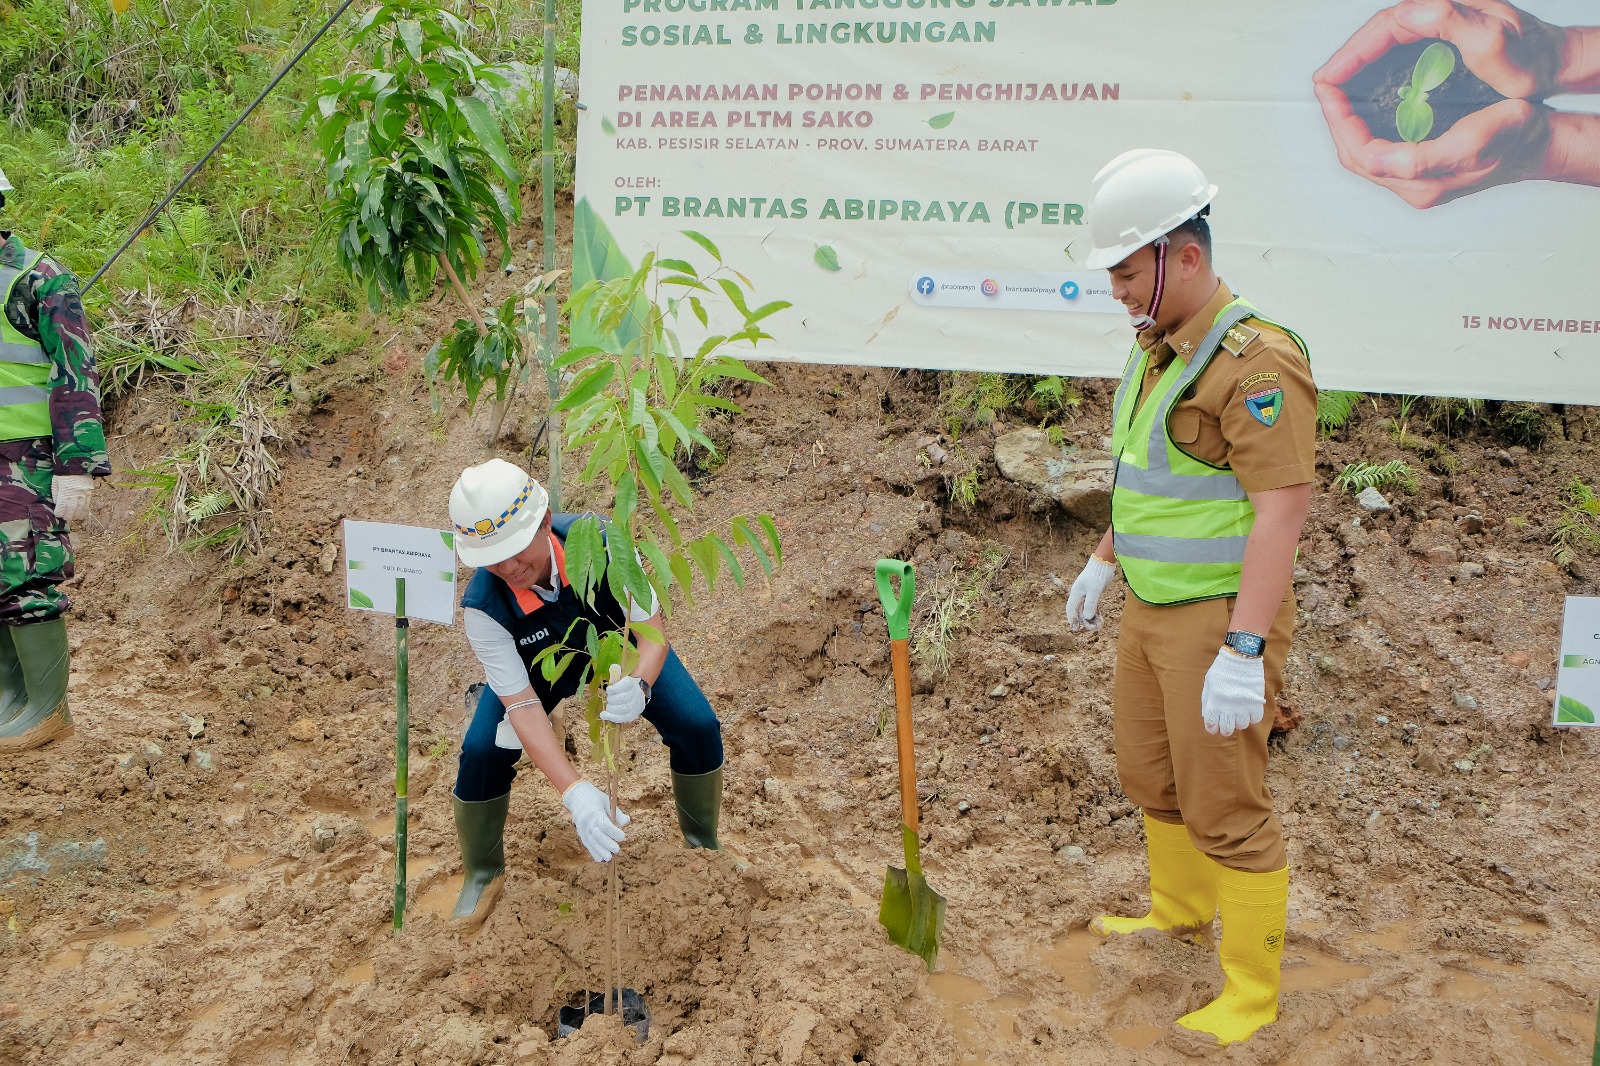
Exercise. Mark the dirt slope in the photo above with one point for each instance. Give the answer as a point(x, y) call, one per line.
point(177, 891)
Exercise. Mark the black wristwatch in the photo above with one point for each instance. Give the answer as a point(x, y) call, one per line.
point(644, 686)
point(1250, 645)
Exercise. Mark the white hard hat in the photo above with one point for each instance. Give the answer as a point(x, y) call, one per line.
point(1139, 196)
point(496, 509)
point(5, 183)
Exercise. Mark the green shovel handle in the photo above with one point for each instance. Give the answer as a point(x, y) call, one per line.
point(896, 605)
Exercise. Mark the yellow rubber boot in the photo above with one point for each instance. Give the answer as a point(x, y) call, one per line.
point(1254, 909)
point(1183, 886)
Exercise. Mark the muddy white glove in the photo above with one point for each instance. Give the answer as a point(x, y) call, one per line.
point(591, 813)
point(1083, 602)
point(624, 701)
point(72, 497)
point(1235, 693)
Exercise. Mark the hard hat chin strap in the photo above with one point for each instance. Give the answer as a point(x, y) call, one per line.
point(1147, 320)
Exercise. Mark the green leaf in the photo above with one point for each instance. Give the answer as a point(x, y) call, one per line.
point(361, 599)
point(410, 33)
point(826, 257)
point(771, 529)
point(742, 534)
point(728, 557)
point(588, 385)
point(705, 558)
point(1414, 119)
point(607, 127)
point(627, 499)
point(645, 631)
point(704, 242)
point(682, 573)
point(939, 122)
point(487, 129)
point(1436, 63)
point(1570, 710)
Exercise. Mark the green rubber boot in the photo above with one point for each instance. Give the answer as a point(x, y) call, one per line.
point(481, 828)
point(13, 688)
point(39, 652)
point(699, 801)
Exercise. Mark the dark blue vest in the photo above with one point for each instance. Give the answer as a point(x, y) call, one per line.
point(549, 624)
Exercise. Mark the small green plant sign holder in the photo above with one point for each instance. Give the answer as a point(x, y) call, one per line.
point(911, 911)
point(382, 561)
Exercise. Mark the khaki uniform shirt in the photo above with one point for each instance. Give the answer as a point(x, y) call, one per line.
point(1215, 422)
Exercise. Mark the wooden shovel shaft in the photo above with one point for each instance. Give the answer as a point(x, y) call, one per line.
point(900, 657)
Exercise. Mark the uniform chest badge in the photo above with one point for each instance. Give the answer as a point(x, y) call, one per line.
point(1265, 406)
point(1186, 347)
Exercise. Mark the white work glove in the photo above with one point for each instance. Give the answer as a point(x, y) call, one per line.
point(1083, 602)
point(624, 701)
point(1235, 693)
point(71, 492)
point(591, 813)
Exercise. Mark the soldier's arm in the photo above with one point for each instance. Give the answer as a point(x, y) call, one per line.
point(75, 418)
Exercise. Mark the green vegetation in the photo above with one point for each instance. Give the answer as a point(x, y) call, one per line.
point(231, 307)
point(1578, 528)
point(1413, 117)
point(1334, 410)
point(949, 601)
point(1358, 476)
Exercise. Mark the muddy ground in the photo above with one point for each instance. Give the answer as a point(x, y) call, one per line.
point(202, 874)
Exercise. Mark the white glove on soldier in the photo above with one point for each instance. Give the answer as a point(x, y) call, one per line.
point(591, 813)
point(624, 701)
point(1083, 602)
point(71, 493)
point(1235, 693)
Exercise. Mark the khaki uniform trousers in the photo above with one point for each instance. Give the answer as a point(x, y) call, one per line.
point(1167, 762)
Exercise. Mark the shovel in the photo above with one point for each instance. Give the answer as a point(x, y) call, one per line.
point(912, 912)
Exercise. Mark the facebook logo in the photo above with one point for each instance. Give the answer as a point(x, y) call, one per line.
point(925, 285)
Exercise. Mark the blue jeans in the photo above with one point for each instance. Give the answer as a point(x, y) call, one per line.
point(677, 708)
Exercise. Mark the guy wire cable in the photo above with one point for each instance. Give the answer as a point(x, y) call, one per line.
point(273, 84)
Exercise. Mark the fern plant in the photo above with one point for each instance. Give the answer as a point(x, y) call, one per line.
point(1334, 410)
point(1578, 529)
point(1358, 476)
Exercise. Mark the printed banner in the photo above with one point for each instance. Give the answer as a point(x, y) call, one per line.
point(912, 174)
point(1578, 678)
point(376, 553)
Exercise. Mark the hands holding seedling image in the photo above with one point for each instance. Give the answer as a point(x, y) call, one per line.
point(1434, 99)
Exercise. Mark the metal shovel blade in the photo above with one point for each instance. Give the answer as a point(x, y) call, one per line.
point(912, 912)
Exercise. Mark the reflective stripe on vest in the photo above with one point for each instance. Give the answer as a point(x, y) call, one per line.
point(1179, 524)
point(24, 368)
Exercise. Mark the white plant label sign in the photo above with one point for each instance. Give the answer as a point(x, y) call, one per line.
point(376, 553)
point(1578, 679)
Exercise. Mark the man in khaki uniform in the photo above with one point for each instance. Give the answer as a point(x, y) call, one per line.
point(1215, 436)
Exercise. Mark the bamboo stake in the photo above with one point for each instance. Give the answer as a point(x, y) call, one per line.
point(547, 188)
point(402, 745)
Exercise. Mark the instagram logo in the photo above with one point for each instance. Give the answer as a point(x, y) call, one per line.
point(990, 287)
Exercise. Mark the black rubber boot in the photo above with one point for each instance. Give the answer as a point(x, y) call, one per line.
point(37, 654)
point(699, 802)
point(481, 828)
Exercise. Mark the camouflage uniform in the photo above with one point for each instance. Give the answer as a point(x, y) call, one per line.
point(35, 552)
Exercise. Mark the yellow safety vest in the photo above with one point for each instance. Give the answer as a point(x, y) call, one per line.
point(1179, 524)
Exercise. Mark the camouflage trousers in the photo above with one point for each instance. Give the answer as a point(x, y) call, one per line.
point(35, 552)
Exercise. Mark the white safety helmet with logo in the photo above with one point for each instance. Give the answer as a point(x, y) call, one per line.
point(496, 508)
point(1137, 199)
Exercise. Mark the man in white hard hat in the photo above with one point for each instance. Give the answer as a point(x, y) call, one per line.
point(52, 447)
point(517, 604)
point(1214, 439)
